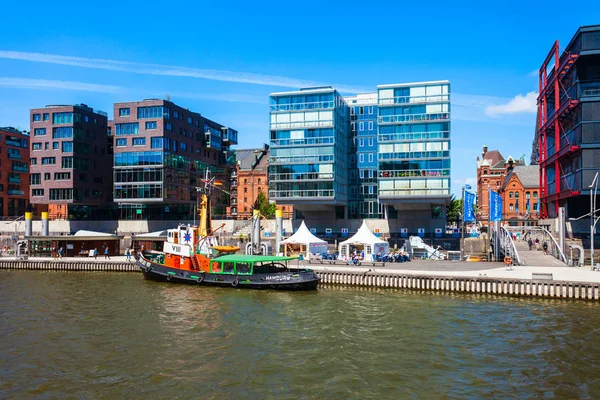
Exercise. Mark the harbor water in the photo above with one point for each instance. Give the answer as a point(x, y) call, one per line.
point(109, 336)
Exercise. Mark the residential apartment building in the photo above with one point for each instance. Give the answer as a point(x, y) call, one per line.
point(569, 124)
point(249, 178)
point(14, 172)
point(161, 154)
point(376, 155)
point(71, 169)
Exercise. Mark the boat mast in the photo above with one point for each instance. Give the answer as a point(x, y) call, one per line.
point(205, 226)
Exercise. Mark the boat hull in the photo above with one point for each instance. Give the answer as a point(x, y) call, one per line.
point(289, 280)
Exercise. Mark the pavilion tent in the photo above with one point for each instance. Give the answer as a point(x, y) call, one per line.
point(364, 239)
point(305, 242)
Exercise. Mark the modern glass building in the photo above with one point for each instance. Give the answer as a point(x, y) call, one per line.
point(161, 154)
point(309, 158)
point(376, 155)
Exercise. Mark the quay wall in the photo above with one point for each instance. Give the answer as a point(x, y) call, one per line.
point(377, 279)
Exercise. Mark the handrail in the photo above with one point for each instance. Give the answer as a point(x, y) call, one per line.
point(508, 245)
point(561, 254)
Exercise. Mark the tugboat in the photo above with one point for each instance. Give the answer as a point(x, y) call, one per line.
point(192, 255)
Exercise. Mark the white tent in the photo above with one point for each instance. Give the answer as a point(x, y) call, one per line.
point(366, 240)
point(303, 237)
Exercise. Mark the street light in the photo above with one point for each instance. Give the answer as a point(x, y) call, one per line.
point(592, 214)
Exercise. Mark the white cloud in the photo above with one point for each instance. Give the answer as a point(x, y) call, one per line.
point(519, 104)
point(25, 83)
point(168, 70)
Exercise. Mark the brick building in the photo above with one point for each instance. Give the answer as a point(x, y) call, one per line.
point(71, 168)
point(520, 191)
point(250, 177)
point(161, 154)
point(14, 172)
point(506, 176)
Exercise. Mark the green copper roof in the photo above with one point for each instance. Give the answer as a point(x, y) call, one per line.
point(247, 258)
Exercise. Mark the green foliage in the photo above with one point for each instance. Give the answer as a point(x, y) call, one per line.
point(454, 209)
point(262, 204)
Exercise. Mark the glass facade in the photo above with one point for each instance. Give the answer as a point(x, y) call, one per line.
point(363, 152)
point(309, 146)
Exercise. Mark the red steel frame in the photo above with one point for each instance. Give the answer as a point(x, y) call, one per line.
point(549, 86)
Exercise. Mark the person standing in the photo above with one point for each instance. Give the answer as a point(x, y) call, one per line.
point(60, 253)
point(106, 253)
point(95, 253)
point(128, 254)
point(530, 243)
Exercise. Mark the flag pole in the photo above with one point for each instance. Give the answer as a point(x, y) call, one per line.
point(462, 241)
point(489, 221)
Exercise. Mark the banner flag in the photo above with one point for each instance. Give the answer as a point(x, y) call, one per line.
point(469, 203)
point(495, 206)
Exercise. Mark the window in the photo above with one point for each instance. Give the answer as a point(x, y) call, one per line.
point(36, 146)
point(168, 127)
point(47, 176)
point(511, 195)
point(124, 112)
point(139, 141)
point(361, 110)
point(183, 146)
point(86, 118)
point(35, 179)
point(65, 133)
point(535, 194)
point(33, 161)
point(67, 147)
point(361, 157)
point(370, 157)
point(242, 268)
point(190, 121)
point(370, 125)
point(39, 132)
point(46, 117)
point(175, 114)
point(37, 117)
point(46, 145)
point(121, 142)
point(48, 160)
point(353, 126)
point(150, 124)
point(370, 109)
point(37, 192)
point(62, 176)
point(370, 189)
point(63, 118)
point(153, 112)
point(362, 173)
point(352, 110)
point(371, 141)
point(228, 267)
point(511, 207)
point(361, 142)
point(127, 129)
point(61, 194)
point(517, 194)
point(370, 173)
point(67, 162)
point(527, 195)
point(156, 142)
point(361, 126)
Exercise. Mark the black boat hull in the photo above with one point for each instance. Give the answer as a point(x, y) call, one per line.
point(289, 280)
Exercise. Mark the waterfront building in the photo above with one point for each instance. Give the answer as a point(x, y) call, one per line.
point(380, 155)
point(161, 154)
point(70, 162)
point(569, 124)
point(249, 178)
point(520, 191)
point(517, 183)
point(14, 172)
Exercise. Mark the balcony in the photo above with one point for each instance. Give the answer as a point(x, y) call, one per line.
point(14, 179)
point(233, 202)
point(435, 98)
point(15, 192)
point(302, 159)
point(301, 194)
point(14, 156)
point(413, 192)
point(315, 105)
point(303, 142)
point(302, 124)
point(420, 173)
point(301, 176)
point(412, 118)
point(19, 168)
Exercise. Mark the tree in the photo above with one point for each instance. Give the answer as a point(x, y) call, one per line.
point(263, 205)
point(454, 209)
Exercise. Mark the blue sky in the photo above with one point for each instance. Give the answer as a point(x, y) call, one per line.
point(223, 59)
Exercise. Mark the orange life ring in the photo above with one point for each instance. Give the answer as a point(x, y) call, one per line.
point(507, 260)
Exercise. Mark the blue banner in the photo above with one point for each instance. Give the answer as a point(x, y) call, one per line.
point(495, 206)
point(469, 203)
